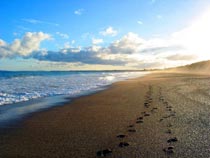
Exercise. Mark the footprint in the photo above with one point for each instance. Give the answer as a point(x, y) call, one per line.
point(161, 98)
point(140, 118)
point(132, 130)
point(168, 131)
point(146, 105)
point(161, 120)
point(121, 136)
point(123, 144)
point(103, 153)
point(174, 139)
point(146, 114)
point(131, 126)
point(150, 101)
point(169, 150)
point(139, 121)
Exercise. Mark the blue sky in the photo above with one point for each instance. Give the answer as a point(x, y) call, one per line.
point(105, 34)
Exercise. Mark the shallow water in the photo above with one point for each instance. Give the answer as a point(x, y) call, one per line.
point(26, 92)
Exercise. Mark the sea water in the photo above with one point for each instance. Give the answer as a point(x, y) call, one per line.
point(24, 92)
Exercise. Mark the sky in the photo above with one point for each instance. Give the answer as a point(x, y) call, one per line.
point(103, 34)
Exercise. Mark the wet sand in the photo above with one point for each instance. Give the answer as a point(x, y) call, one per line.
point(156, 116)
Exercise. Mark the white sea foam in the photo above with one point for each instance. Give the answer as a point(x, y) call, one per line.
point(28, 87)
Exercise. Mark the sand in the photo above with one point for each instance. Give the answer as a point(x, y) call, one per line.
point(159, 115)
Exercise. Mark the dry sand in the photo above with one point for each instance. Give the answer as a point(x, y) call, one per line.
point(178, 107)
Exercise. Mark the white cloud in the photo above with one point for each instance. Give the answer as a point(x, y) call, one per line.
point(23, 47)
point(96, 41)
point(130, 50)
point(63, 35)
point(95, 48)
point(128, 44)
point(35, 21)
point(109, 32)
point(182, 47)
point(79, 11)
point(139, 22)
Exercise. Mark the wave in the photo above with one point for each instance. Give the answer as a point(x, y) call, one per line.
point(27, 85)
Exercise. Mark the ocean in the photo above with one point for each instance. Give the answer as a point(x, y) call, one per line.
point(23, 92)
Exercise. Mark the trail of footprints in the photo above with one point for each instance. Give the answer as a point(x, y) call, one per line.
point(169, 149)
point(139, 120)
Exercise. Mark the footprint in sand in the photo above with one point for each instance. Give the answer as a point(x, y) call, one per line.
point(103, 153)
point(150, 100)
point(139, 121)
point(122, 136)
point(143, 112)
point(161, 98)
point(132, 130)
point(169, 150)
point(146, 114)
point(146, 105)
point(169, 131)
point(123, 144)
point(161, 120)
point(171, 140)
point(140, 118)
point(131, 126)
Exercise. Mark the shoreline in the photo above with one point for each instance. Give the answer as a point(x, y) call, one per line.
point(63, 101)
point(90, 124)
point(47, 103)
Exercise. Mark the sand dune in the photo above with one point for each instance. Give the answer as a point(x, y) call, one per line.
point(199, 67)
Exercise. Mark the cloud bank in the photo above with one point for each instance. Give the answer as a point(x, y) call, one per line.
point(131, 50)
point(23, 47)
point(182, 47)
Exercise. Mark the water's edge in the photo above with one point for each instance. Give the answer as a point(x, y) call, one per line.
point(18, 112)
point(12, 115)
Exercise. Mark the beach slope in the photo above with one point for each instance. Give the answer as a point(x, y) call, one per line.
point(156, 116)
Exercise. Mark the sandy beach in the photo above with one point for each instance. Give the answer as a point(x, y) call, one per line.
point(156, 116)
